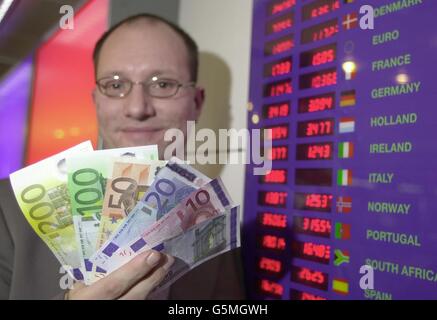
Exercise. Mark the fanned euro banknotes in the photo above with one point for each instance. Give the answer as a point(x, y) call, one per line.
point(87, 178)
point(172, 184)
point(96, 210)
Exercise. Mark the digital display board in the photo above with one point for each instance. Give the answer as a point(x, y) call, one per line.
point(353, 178)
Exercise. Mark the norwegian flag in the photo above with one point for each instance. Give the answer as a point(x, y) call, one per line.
point(344, 204)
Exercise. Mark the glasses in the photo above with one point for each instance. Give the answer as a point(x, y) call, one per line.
point(117, 87)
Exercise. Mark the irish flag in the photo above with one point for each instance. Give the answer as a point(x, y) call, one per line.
point(344, 177)
point(345, 150)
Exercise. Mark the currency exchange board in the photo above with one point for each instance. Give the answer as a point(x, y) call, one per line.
point(349, 93)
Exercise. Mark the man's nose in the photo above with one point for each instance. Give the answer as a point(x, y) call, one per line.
point(138, 104)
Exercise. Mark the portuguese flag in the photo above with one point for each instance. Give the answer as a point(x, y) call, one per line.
point(342, 231)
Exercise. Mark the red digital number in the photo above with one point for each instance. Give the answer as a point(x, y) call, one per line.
point(278, 133)
point(323, 57)
point(276, 176)
point(325, 33)
point(270, 265)
point(280, 89)
point(281, 68)
point(282, 25)
point(273, 242)
point(323, 80)
point(311, 276)
point(279, 153)
point(309, 296)
point(272, 287)
point(317, 250)
point(319, 128)
point(275, 198)
point(276, 111)
point(276, 8)
point(320, 151)
point(316, 225)
point(320, 104)
point(282, 46)
point(274, 220)
point(319, 11)
point(318, 200)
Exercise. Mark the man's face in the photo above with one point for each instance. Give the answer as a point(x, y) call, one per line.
point(138, 52)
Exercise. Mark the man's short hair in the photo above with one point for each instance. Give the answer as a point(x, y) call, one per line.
point(190, 44)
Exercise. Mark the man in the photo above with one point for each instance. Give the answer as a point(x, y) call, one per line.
point(146, 72)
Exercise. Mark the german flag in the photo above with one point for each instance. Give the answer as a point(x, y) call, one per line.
point(348, 98)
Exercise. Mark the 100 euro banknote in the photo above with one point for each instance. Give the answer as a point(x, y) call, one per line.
point(87, 176)
point(173, 183)
point(204, 203)
point(41, 192)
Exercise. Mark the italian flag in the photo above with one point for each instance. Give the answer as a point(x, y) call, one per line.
point(345, 150)
point(344, 177)
point(340, 286)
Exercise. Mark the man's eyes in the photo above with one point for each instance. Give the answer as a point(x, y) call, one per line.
point(164, 84)
point(115, 85)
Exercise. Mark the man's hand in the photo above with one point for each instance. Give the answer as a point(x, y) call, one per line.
point(134, 280)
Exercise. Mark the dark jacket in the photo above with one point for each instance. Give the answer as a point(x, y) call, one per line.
point(28, 270)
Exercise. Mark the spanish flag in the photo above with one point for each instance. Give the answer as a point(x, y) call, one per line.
point(340, 286)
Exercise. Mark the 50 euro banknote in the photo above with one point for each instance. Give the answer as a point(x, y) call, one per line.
point(130, 181)
point(87, 177)
point(173, 183)
point(42, 194)
point(202, 204)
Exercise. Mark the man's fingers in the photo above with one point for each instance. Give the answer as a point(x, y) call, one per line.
point(121, 280)
point(142, 289)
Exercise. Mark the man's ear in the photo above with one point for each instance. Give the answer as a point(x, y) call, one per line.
point(199, 100)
